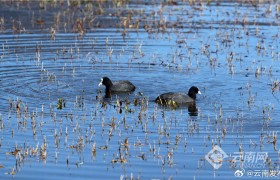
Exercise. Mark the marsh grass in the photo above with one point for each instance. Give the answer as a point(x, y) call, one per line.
point(52, 112)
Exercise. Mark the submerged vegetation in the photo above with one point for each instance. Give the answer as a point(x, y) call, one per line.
point(53, 114)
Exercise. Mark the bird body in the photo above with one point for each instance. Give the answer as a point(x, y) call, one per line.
point(178, 97)
point(122, 86)
point(116, 87)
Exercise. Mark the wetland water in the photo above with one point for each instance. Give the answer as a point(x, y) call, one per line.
point(55, 124)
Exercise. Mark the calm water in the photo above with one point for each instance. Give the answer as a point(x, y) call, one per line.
point(230, 50)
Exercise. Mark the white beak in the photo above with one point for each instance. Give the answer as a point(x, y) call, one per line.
point(100, 84)
point(198, 92)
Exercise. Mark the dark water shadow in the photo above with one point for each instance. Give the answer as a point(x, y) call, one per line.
point(115, 95)
point(192, 109)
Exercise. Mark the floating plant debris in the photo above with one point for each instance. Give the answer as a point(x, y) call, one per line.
point(60, 103)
